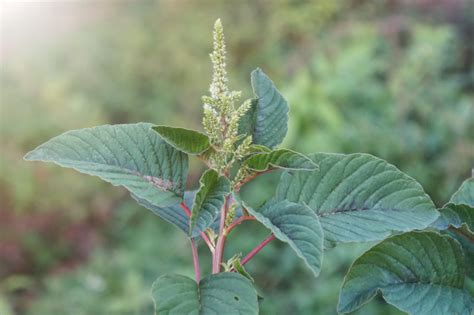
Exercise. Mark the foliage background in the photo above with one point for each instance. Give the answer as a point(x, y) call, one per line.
point(394, 78)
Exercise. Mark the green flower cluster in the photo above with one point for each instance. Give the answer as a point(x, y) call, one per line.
point(221, 116)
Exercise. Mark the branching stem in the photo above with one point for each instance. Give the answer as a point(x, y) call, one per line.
point(217, 259)
point(259, 247)
point(197, 268)
point(203, 235)
point(237, 222)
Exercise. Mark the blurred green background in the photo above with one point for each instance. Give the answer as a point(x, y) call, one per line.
point(392, 78)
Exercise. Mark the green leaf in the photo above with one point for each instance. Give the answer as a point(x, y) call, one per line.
point(267, 119)
point(296, 225)
point(281, 158)
point(208, 201)
point(459, 216)
point(419, 273)
point(184, 140)
point(132, 156)
point(173, 214)
point(465, 194)
point(359, 197)
point(241, 269)
point(222, 293)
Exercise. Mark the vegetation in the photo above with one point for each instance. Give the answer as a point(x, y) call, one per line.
point(391, 78)
point(321, 200)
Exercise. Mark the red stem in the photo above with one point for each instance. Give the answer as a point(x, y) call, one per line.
point(217, 259)
point(203, 235)
point(251, 177)
point(259, 247)
point(197, 269)
point(238, 221)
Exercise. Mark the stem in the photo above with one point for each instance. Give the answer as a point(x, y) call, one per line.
point(203, 235)
point(249, 178)
point(197, 269)
point(259, 247)
point(237, 222)
point(217, 259)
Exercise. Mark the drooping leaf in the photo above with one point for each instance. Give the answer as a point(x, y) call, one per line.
point(173, 214)
point(281, 158)
point(131, 155)
point(222, 293)
point(359, 197)
point(267, 119)
point(185, 140)
point(296, 225)
point(208, 201)
point(465, 193)
point(421, 273)
point(460, 216)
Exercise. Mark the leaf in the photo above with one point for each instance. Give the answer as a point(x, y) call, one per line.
point(184, 140)
point(241, 269)
point(222, 293)
point(132, 156)
point(267, 119)
point(173, 214)
point(296, 225)
point(419, 273)
point(281, 158)
point(465, 193)
point(359, 197)
point(208, 201)
point(458, 216)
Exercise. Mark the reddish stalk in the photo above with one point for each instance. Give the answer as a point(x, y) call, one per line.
point(259, 247)
point(203, 235)
point(249, 178)
point(217, 259)
point(237, 222)
point(197, 268)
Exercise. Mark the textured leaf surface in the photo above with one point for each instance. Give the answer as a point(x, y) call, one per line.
point(359, 197)
point(132, 156)
point(296, 225)
point(223, 293)
point(208, 201)
point(267, 119)
point(282, 158)
point(185, 140)
point(465, 193)
point(173, 214)
point(419, 273)
point(457, 216)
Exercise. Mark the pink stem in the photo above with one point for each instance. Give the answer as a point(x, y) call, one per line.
point(259, 247)
point(238, 221)
point(203, 235)
point(197, 269)
point(217, 259)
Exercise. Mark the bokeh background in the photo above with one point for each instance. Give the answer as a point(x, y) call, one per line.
point(392, 78)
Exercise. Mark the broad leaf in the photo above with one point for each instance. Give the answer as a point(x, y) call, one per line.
point(222, 293)
point(267, 119)
point(459, 216)
point(419, 273)
point(185, 140)
point(296, 225)
point(208, 201)
point(465, 193)
point(173, 214)
point(282, 158)
point(132, 156)
point(359, 197)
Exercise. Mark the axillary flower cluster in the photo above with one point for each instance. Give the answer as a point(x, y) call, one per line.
point(221, 116)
